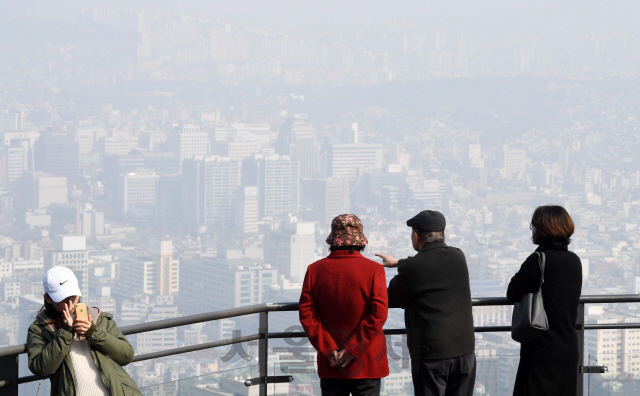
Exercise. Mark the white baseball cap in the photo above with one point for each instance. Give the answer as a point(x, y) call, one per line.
point(60, 282)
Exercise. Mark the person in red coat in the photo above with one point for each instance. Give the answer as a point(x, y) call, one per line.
point(343, 307)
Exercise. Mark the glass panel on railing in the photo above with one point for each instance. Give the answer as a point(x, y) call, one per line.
point(622, 376)
point(227, 382)
point(497, 360)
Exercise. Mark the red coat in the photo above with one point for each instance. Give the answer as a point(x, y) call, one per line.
point(344, 305)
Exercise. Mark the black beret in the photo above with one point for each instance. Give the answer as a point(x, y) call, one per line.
point(428, 221)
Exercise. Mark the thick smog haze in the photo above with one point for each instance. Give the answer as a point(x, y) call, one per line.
point(188, 157)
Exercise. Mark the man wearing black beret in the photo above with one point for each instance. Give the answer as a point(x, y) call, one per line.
point(433, 288)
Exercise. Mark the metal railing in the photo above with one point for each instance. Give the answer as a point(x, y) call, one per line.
point(9, 379)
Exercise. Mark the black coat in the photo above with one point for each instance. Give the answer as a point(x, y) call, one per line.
point(433, 288)
point(549, 364)
point(561, 291)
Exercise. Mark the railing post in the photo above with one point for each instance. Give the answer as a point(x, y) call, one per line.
point(263, 351)
point(580, 329)
point(9, 375)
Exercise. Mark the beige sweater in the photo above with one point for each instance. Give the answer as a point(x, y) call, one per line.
point(88, 379)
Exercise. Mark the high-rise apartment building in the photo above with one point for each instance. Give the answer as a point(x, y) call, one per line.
point(247, 210)
point(167, 269)
point(189, 143)
point(515, 161)
point(15, 163)
point(349, 161)
point(618, 349)
point(137, 195)
point(278, 186)
point(209, 192)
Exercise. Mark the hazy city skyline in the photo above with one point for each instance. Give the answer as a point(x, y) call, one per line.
point(165, 152)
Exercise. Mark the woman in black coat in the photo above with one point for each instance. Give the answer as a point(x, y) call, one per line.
point(549, 364)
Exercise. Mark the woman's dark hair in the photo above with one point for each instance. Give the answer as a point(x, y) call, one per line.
point(553, 225)
point(50, 311)
point(351, 248)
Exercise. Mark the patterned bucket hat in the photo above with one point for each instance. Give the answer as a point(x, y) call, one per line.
point(346, 230)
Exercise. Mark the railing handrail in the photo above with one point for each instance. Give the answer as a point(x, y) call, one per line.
point(293, 306)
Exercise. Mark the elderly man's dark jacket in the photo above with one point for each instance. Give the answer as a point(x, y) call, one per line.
point(433, 288)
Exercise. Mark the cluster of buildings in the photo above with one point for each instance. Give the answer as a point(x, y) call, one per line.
point(215, 187)
point(199, 218)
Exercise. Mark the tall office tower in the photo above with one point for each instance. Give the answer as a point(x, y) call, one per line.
point(167, 270)
point(39, 190)
point(189, 143)
point(225, 282)
point(297, 139)
point(515, 161)
point(247, 210)
point(278, 186)
point(169, 203)
point(209, 192)
point(349, 161)
point(70, 252)
point(332, 198)
point(57, 153)
point(291, 248)
point(136, 197)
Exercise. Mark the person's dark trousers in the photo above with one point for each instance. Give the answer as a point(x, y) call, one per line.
point(445, 377)
point(346, 386)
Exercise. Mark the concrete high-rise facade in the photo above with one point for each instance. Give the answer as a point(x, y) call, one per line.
point(137, 195)
point(247, 210)
point(335, 198)
point(209, 192)
point(515, 161)
point(16, 162)
point(278, 186)
point(349, 161)
point(189, 143)
point(302, 146)
point(167, 269)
